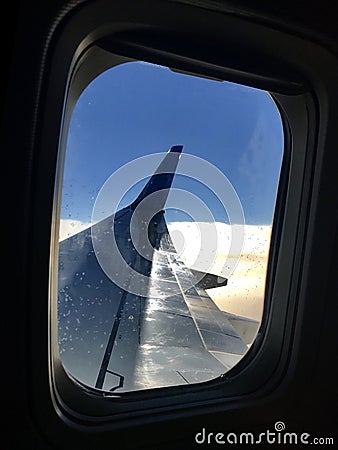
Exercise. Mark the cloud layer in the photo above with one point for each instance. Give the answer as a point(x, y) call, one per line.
point(69, 227)
point(244, 293)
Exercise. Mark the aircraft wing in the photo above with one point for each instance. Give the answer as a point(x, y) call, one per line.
point(170, 333)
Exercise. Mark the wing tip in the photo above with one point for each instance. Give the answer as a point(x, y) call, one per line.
point(176, 149)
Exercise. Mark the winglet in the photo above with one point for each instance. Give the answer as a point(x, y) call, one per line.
point(176, 149)
point(162, 178)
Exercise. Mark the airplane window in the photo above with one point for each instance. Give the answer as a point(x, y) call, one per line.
point(168, 196)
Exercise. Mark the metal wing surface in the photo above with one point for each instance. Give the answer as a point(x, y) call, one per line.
point(169, 333)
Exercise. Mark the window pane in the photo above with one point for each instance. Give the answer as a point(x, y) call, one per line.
point(163, 255)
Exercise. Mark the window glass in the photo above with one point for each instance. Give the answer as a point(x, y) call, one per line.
point(168, 196)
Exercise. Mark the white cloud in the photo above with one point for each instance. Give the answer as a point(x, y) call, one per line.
point(244, 293)
point(69, 227)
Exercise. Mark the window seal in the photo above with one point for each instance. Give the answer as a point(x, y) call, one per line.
point(172, 397)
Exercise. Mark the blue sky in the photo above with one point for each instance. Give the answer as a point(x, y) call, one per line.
point(137, 109)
